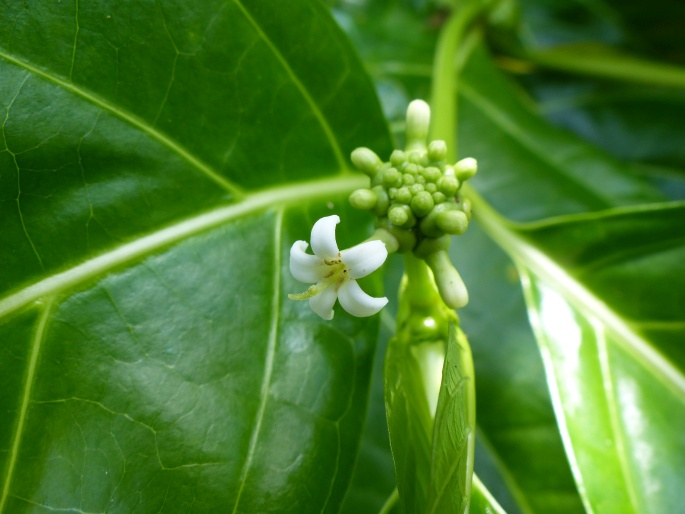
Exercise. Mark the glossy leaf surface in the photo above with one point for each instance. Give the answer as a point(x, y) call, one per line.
point(157, 162)
point(616, 368)
point(454, 429)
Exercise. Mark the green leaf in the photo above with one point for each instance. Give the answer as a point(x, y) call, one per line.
point(482, 501)
point(157, 161)
point(617, 369)
point(516, 423)
point(429, 399)
point(454, 429)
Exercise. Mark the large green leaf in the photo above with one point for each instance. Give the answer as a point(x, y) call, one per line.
point(614, 359)
point(158, 159)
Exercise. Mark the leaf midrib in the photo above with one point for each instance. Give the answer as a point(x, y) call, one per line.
point(36, 342)
point(149, 243)
point(342, 164)
point(132, 120)
point(532, 258)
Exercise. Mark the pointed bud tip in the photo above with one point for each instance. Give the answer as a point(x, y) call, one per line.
point(418, 121)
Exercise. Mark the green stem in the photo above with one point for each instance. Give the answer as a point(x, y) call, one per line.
point(447, 65)
point(420, 284)
point(390, 502)
point(610, 66)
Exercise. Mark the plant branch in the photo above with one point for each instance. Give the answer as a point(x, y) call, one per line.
point(608, 65)
point(448, 62)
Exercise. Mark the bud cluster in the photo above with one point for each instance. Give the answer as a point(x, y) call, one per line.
point(416, 194)
point(416, 191)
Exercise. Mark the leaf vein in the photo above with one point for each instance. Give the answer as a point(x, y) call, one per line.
point(132, 120)
point(269, 361)
point(35, 348)
point(300, 86)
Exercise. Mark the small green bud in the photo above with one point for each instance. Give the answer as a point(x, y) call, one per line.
point(439, 197)
point(450, 285)
point(391, 242)
point(392, 178)
point(422, 203)
point(377, 179)
point(416, 188)
point(429, 226)
point(417, 158)
point(448, 185)
point(363, 199)
point(432, 174)
point(431, 187)
point(437, 150)
point(453, 222)
point(466, 168)
point(403, 195)
point(412, 168)
point(383, 200)
point(397, 158)
point(401, 216)
point(420, 179)
point(408, 179)
point(392, 192)
point(366, 161)
point(418, 120)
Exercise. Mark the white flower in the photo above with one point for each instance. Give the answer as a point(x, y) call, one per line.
point(334, 272)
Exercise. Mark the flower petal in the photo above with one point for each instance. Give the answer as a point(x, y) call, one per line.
point(323, 303)
point(323, 237)
point(364, 258)
point(357, 302)
point(305, 267)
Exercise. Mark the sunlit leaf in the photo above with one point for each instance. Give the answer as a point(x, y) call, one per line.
point(615, 362)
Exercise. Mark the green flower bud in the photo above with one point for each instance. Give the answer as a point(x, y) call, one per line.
point(420, 179)
point(363, 199)
point(412, 168)
point(422, 203)
point(391, 242)
point(418, 119)
point(466, 168)
point(377, 179)
point(448, 185)
point(416, 188)
point(401, 216)
point(392, 192)
point(450, 285)
point(392, 178)
point(408, 179)
point(366, 161)
point(397, 158)
point(432, 174)
point(431, 187)
point(417, 158)
point(383, 201)
point(453, 222)
point(437, 150)
point(439, 197)
point(429, 226)
point(403, 195)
